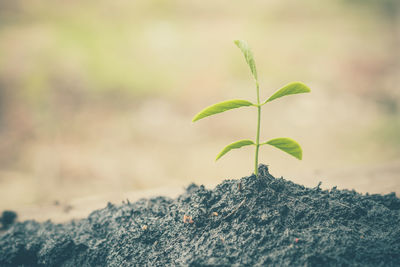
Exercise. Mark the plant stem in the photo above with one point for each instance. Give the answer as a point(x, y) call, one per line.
point(258, 129)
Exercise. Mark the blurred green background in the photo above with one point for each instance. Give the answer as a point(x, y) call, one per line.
point(97, 97)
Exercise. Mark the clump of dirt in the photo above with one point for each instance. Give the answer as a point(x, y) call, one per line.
point(252, 221)
point(7, 218)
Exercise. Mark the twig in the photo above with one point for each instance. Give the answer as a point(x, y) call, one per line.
point(344, 205)
point(235, 210)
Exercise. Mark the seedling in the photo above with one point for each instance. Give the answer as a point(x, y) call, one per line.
point(285, 144)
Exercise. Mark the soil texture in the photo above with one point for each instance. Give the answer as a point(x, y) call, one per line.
point(253, 221)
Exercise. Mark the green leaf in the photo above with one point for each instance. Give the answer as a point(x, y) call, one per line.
point(221, 107)
point(248, 55)
point(234, 145)
point(290, 89)
point(288, 145)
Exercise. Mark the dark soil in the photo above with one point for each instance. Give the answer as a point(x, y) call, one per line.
point(252, 221)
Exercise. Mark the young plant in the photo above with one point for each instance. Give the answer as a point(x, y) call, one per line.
point(285, 144)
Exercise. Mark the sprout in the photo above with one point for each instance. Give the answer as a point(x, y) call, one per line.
point(285, 144)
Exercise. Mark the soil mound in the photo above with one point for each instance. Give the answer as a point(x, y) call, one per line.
point(260, 221)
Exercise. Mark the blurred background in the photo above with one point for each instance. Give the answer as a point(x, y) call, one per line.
point(96, 99)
